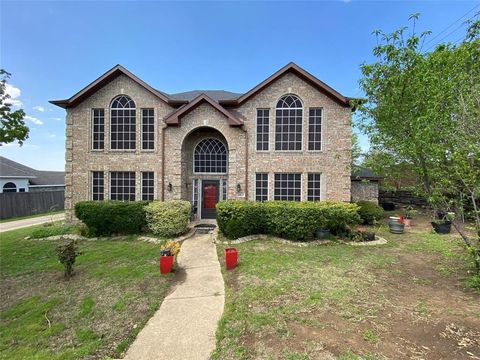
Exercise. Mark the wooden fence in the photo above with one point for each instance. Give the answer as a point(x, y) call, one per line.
point(30, 203)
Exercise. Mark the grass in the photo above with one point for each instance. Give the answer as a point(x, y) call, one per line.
point(31, 216)
point(347, 301)
point(114, 291)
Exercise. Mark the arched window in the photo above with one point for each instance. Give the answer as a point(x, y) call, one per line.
point(288, 123)
point(9, 187)
point(122, 123)
point(210, 156)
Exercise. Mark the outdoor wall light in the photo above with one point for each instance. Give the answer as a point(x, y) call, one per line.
point(170, 187)
point(239, 188)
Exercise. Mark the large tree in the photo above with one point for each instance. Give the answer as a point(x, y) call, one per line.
point(12, 126)
point(422, 109)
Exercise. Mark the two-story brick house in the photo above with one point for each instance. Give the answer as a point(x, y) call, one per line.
point(288, 138)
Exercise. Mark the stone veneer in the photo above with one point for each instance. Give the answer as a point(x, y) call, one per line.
point(365, 190)
point(243, 161)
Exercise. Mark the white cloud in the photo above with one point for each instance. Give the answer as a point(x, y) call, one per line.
point(57, 119)
point(39, 108)
point(34, 120)
point(51, 136)
point(14, 93)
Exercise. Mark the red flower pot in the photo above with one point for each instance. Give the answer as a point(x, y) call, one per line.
point(231, 257)
point(166, 263)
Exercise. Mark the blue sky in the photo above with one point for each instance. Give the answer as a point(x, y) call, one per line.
point(53, 49)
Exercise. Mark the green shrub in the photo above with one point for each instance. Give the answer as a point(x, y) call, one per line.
point(112, 217)
point(286, 219)
point(52, 230)
point(369, 212)
point(67, 254)
point(169, 218)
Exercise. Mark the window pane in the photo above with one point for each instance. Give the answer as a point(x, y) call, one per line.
point(288, 187)
point(314, 187)
point(210, 156)
point(122, 185)
point(315, 129)
point(261, 186)
point(123, 124)
point(263, 128)
point(288, 123)
point(148, 135)
point(147, 185)
point(97, 185)
point(98, 122)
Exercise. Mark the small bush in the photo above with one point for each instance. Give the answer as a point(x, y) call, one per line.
point(112, 217)
point(287, 219)
point(53, 230)
point(369, 212)
point(67, 254)
point(169, 218)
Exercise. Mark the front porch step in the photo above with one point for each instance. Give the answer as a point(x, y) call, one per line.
point(205, 228)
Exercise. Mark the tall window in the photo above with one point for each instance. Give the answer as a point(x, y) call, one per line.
point(288, 187)
point(97, 185)
point(122, 185)
point(210, 156)
point(148, 185)
point(98, 129)
point(288, 123)
point(148, 129)
point(315, 129)
point(313, 188)
point(261, 186)
point(122, 123)
point(263, 128)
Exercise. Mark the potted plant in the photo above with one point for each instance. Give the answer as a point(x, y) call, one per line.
point(443, 225)
point(410, 212)
point(396, 224)
point(167, 255)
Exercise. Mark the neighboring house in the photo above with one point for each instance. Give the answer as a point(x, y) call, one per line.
point(365, 185)
point(15, 177)
point(288, 138)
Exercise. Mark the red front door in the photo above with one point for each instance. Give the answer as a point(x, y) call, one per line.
point(209, 198)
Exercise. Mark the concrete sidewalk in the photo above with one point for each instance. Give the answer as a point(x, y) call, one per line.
point(184, 326)
point(18, 224)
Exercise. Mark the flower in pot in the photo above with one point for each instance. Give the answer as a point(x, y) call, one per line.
point(410, 212)
point(167, 255)
point(443, 225)
point(396, 224)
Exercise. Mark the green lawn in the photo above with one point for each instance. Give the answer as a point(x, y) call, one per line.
point(115, 290)
point(342, 302)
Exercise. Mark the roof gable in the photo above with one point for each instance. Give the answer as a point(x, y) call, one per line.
point(103, 80)
point(309, 78)
point(174, 119)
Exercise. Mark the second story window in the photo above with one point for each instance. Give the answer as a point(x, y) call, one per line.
point(288, 123)
point(210, 156)
point(123, 124)
point(98, 129)
point(262, 129)
point(148, 129)
point(315, 129)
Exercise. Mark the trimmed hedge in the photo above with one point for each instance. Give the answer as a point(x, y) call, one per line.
point(169, 218)
point(112, 217)
point(286, 219)
point(369, 212)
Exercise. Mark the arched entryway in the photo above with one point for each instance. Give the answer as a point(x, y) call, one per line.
point(204, 170)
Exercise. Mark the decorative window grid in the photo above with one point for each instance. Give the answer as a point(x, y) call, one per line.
point(122, 185)
point(224, 192)
point(195, 191)
point(98, 129)
point(288, 187)
point(261, 186)
point(210, 156)
point(148, 129)
point(263, 129)
point(313, 187)
point(148, 185)
point(123, 124)
point(9, 187)
point(288, 124)
point(98, 185)
point(315, 129)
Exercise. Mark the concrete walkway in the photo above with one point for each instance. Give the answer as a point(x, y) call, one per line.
point(184, 326)
point(18, 224)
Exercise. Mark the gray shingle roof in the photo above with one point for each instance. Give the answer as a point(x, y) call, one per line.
point(364, 173)
point(217, 95)
point(36, 177)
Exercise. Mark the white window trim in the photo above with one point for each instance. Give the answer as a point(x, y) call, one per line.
point(92, 110)
point(269, 129)
point(275, 124)
point(322, 128)
point(154, 130)
point(210, 173)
